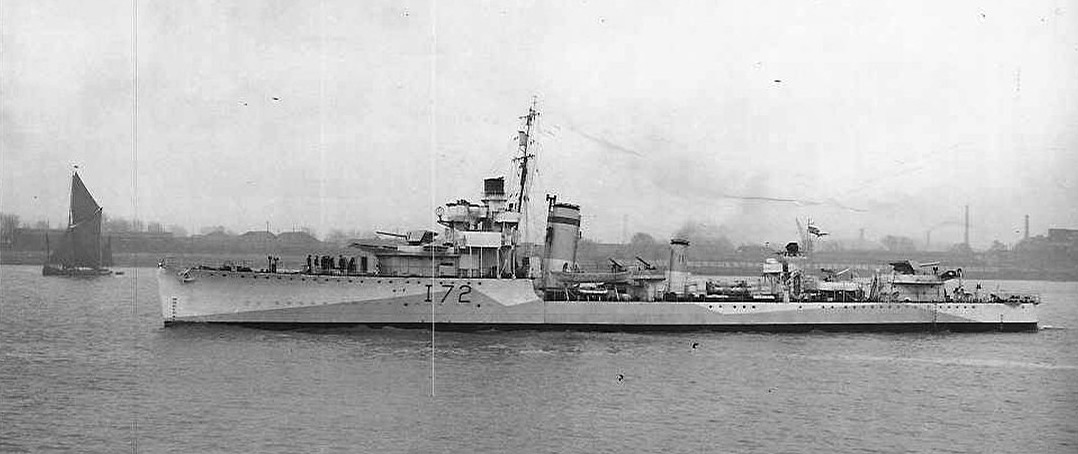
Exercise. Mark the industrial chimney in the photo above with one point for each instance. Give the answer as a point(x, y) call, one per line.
point(965, 237)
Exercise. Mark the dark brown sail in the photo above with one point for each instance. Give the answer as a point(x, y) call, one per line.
point(81, 244)
point(85, 225)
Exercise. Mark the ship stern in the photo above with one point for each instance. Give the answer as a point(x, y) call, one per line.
point(169, 281)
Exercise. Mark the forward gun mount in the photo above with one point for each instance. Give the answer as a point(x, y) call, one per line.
point(413, 237)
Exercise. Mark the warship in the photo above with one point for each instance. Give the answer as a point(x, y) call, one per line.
point(478, 273)
point(80, 252)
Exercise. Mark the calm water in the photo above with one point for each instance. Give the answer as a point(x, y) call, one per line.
point(85, 366)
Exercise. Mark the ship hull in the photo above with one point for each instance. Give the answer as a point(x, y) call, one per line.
point(267, 299)
point(898, 327)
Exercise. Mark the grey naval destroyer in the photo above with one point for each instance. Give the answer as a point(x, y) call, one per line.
point(478, 273)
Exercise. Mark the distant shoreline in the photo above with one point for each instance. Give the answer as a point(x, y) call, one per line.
point(731, 268)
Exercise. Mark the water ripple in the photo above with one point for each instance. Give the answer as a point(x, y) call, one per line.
point(85, 367)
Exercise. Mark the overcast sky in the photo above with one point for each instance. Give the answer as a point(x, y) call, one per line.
point(739, 116)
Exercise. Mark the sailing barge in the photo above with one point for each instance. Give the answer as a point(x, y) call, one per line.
point(80, 251)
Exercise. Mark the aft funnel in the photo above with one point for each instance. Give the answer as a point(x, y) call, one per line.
point(677, 274)
point(562, 232)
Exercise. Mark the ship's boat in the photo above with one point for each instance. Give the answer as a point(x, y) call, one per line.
point(80, 251)
point(480, 273)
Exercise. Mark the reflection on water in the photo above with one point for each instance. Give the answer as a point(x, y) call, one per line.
point(945, 361)
point(87, 366)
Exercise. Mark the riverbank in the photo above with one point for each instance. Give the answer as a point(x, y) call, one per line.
point(710, 268)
